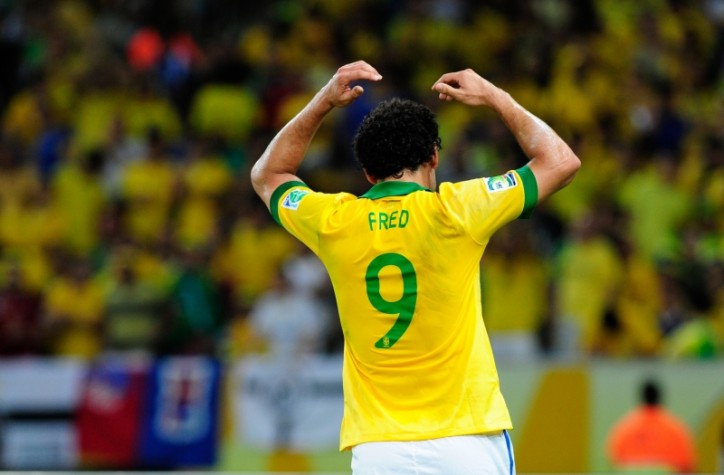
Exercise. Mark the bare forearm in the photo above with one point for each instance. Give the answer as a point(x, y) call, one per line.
point(281, 159)
point(551, 159)
point(285, 153)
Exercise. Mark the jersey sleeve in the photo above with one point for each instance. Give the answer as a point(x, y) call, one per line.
point(484, 205)
point(299, 210)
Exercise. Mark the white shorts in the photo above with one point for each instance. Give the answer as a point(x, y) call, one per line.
point(459, 455)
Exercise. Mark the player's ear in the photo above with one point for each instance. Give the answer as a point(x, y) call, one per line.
point(435, 160)
point(370, 178)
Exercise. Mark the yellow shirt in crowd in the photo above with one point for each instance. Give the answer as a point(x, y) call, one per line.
point(514, 291)
point(149, 187)
point(76, 310)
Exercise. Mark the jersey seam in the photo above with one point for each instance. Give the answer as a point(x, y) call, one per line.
point(464, 225)
point(457, 221)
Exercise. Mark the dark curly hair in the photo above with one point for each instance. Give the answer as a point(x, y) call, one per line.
point(396, 135)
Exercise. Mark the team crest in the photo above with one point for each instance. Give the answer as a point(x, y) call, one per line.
point(501, 182)
point(293, 198)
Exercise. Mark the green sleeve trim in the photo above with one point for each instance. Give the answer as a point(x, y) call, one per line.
point(274, 201)
point(530, 191)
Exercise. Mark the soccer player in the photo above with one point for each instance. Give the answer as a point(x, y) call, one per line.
point(420, 384)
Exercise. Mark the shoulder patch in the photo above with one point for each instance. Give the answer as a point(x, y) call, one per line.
point(291, 201)
point(501, 182)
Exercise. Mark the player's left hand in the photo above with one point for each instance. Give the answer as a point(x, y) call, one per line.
point(340, 91)
point(468, 87)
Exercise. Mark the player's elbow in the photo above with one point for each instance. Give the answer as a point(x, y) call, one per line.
point(571, 165)
point(259, 176)
point(554, 174)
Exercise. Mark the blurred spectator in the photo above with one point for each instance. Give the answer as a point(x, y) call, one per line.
point(698, 334)
point(197, 312)
point(305, 272)
point(25, 116)
point(674, 310)
point(35, 266)
point(20, 317)
point(78, 191)
point(226, 109)
point(658, 207)
point(206, 181)
point(17, 178)
point(134, 310)
point(713, 177)
point(156, 264)
point(100, 104)
point(149, 187)
point(594, 182)
point(515, 294)
point(251, 254)
point(289, 323)
point(74, 307)
point(33, 222)
point(292, 322)
point(52, 149)
point(147, 107)
point(697, 338)
point(636, 310)
point(651, 439)
point(588, 277)
point(144, 49)
point(182, 56)
point(121, 150)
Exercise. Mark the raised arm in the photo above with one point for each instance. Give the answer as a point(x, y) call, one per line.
point(551, 160)
point(281, 159)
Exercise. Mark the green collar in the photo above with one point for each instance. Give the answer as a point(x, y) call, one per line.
point(392, 188)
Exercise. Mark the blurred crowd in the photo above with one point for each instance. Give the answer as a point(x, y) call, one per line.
point(127, 221)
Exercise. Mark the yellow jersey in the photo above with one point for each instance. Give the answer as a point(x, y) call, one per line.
point(404, 263)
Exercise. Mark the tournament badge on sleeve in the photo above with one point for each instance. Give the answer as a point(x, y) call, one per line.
point(501, 182)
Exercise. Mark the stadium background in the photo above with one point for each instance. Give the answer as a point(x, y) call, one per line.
point(130, 237)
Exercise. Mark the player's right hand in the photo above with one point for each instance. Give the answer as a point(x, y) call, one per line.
point(340, 90)
point(467, 87)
